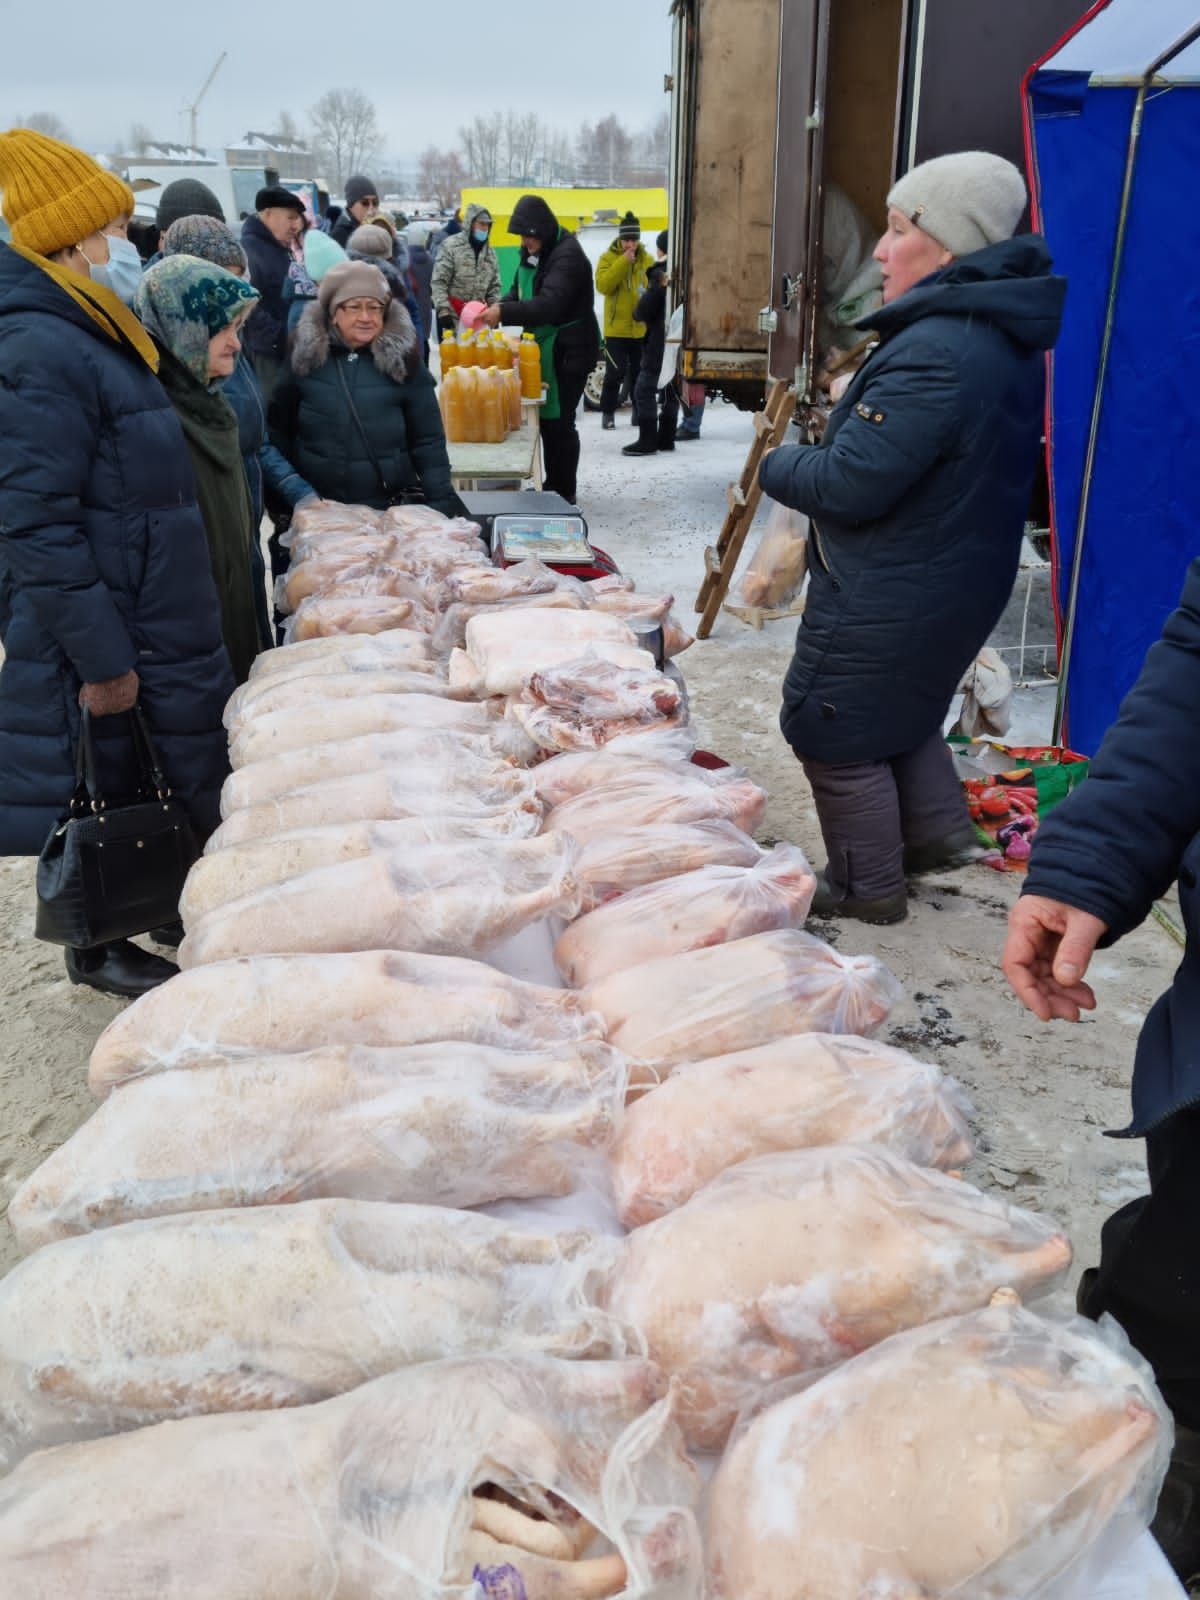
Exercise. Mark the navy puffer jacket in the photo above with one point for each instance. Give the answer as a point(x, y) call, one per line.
point(918, 495)
point(394, 396)
point(104, 565)
point(1116, 845)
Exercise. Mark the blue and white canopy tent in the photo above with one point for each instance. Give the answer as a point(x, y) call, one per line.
point(1112, 117)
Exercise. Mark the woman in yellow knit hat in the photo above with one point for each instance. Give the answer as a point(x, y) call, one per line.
point(106, 592)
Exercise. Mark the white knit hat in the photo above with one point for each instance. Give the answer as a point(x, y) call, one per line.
point(964, 201)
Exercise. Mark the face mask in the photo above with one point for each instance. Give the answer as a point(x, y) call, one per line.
point(480, 235)
point(122, 272)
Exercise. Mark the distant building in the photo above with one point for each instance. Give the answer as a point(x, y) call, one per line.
point(288, 159)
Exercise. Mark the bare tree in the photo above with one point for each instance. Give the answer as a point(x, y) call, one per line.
point(440, 177)
point(482, 145)
point(46, 122)
point(287, 129)
point(345, 131)
point(140, 139)
point(556, 159)
point(522, 136)
point(605, 152)
point(653, 151)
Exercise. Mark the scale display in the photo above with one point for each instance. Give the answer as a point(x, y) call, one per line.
point(533, 538)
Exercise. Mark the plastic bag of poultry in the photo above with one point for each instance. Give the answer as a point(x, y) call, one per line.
point(514, 1478)
point(564, 776)
point(214, 880)
point(585, 703)
point(810, 1090)
point(993, 1455)
point(459, 899)
point(710, 906)
point(447, 1123)
point(777, 568)
point(490, 585)
point(252, 1310)
point(629, 605)
point(449, 632)
point(317, 544)
point(397, 648)
point(290, 1004)
point(673, 794)
point(419, 520)
point(503, 647)
point(320, 615)
point(273, 733)
point(735, 996)
point(340, 574)
point(446, 757)
point(791, 1263)
point(277, 694)
point(330, 516)
point(615, 863)
point(385, 795)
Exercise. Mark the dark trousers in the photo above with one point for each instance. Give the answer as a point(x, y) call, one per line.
point(622, 363)
point(560, 438)
point(650, 402)
point(1149, 1276)
point(869, 811)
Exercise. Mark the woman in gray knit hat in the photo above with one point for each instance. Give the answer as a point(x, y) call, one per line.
point(918, 494)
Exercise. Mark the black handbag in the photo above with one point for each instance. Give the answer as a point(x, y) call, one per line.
point(108, 872)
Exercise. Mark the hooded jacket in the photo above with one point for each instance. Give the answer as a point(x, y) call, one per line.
point(622, 283)
point(462, 272)
point(651, 314)
point(563, 289)
point(266, 330)
point(394, 396)
point(918, 495)
point(104, 565)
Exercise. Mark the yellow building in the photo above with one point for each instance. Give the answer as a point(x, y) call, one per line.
point(574, 207)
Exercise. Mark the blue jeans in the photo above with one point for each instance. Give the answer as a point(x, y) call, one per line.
point(693, 416)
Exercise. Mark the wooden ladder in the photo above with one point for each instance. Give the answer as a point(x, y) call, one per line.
point(721, 559)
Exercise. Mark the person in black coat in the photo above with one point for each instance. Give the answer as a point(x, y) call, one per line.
point(356, 412)
point(362, 203)
point(553, 295)
point(267, 238)
point(1100, 861)
point(106, 591)
point(918, 494)
point(658, 409)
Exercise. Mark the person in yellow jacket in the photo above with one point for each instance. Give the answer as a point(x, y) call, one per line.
point(621, 279)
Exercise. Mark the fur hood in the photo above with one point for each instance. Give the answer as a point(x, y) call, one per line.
point(396, 352)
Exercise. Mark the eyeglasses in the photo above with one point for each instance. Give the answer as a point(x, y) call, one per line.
point(369, 200)
point(363, 308)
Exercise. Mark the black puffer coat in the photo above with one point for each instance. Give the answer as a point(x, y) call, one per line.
point(652, 312)
point(266, 328)
point(564, 291)
point(918, 495)
point(312, 423)
point(1116, 845)
point(104, 565)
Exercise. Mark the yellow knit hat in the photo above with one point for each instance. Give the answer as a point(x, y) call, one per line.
point(53, 194)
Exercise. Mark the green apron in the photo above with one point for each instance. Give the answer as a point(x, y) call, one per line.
point(547, 338)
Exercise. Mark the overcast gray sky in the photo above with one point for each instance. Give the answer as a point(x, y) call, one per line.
point(101, 65)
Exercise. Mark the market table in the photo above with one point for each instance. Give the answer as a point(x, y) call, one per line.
point(514, 461)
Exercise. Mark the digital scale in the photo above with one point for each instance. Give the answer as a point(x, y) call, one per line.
point(535, 525)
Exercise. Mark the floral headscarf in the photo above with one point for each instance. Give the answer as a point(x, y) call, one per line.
point(207, 238)
point(184, 301)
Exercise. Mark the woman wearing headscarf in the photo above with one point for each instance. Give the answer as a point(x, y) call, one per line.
point(194, 310)
point(106, 593)
point(356, 409)
point(266, 467)
point(918, 494)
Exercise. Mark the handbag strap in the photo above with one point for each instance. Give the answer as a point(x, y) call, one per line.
point(87, 796)
point(339, 368)
point(148, 757)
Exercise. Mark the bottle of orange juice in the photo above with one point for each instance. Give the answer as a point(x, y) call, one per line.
point(453, 385)
point(474, 406)
point(530, 362)
point(485, 355)
point(512, 386)
point(503, 351)
point(448, 351)
point(466, 349)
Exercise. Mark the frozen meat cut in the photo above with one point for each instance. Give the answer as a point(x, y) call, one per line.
point(616, 863)
point(321, 721)
point(673, 794)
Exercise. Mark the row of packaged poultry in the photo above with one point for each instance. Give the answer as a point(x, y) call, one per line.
point(279, 1356)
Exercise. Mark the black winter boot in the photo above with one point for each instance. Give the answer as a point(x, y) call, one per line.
point(646, 443)
point(121, 968)
point(666, 436)
point(828, 902)
point(1176, 1523)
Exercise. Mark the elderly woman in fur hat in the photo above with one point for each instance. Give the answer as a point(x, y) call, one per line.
point(356, 411)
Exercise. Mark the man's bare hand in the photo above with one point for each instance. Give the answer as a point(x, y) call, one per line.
point(1049, 948)
point(105, 699)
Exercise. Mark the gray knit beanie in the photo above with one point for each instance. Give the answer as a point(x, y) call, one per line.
point(370, 241)
point(964, 201)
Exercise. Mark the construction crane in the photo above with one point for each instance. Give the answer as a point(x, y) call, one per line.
point(195, 105)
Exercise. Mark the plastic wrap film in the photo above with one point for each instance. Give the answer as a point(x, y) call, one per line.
point(444, 759)
point(449, 632)
point(331, 517)
point(710, 906)
point(253, 1310)
point(397, 649)
point(585, 703)
point(285, 693)
point(990, 1456)
point(458, 899)
point(616, 863)
point(339, 573)
point(373, 544)
point(504, 647)
point(359, 614)
point(631, 606)
point(489, 1476)
point(297, 1003)
point(674, 795)
point(564, 776)
point(798, 1093)
point(495, 585)
point(380, 796)
point(271, 733)
point(228, 874)
point(444, 1124)
point(735, 996)
point(791, 1263)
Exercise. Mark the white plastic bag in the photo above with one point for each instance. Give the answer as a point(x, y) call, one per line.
point(789, 1264)
point(775, 574)
point(321, 615)
point(396, 647)
point(672, 795)
point(273, 733)
point(585, 703)
point(613, 864)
